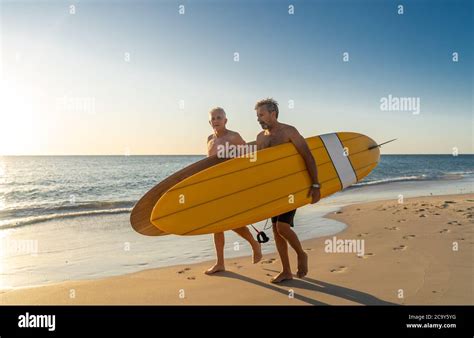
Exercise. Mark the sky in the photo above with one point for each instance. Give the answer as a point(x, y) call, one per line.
point(139, 77)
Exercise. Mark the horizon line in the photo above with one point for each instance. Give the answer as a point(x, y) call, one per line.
point(136, 155)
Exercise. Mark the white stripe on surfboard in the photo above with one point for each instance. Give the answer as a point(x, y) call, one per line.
point(341, 162)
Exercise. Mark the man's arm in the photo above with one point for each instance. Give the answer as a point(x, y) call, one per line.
point(305, 152)
point(209, 138)
point(303, 149)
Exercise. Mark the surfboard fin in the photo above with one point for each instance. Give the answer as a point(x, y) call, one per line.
point(381, 144)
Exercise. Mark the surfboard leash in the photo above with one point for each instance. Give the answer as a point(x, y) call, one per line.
point(261, 236)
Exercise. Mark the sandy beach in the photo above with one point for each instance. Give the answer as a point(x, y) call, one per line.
point(416, 252)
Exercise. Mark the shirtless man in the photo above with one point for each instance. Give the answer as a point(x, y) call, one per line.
point(275, 133)
point(221, 135)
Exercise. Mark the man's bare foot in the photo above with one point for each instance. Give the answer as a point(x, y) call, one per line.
point(257, 253)
point(214, 269)
point(302, 265)
point(282, 276)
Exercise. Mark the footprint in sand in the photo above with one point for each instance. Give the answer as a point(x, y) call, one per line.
point(401, 220)
point(409, 237)
point(444, 230)
point(454, 223)
point(192, 278)
point(367, 255)
point(400, 248)
point(362, 234)
point(269, 261)
point(339, 269)
point(423, 215)
point(184, 270)
point(392, 228)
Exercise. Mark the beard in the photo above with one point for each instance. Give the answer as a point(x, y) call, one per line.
point(263, 125)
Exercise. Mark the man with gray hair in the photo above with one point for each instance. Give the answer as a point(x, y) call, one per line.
point(221, 136)
point(273, 134)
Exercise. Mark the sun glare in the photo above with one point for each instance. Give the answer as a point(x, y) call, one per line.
point(17, 127)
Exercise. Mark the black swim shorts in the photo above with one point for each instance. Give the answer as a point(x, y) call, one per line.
point(287, 217)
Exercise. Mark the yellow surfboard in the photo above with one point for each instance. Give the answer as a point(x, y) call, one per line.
point(140, 215)
point(239, 192)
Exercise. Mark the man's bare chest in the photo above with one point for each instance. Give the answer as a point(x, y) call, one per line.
point(274, 140)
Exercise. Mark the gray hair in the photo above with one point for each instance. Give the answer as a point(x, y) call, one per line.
point(217, 109)
point(270, 104)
